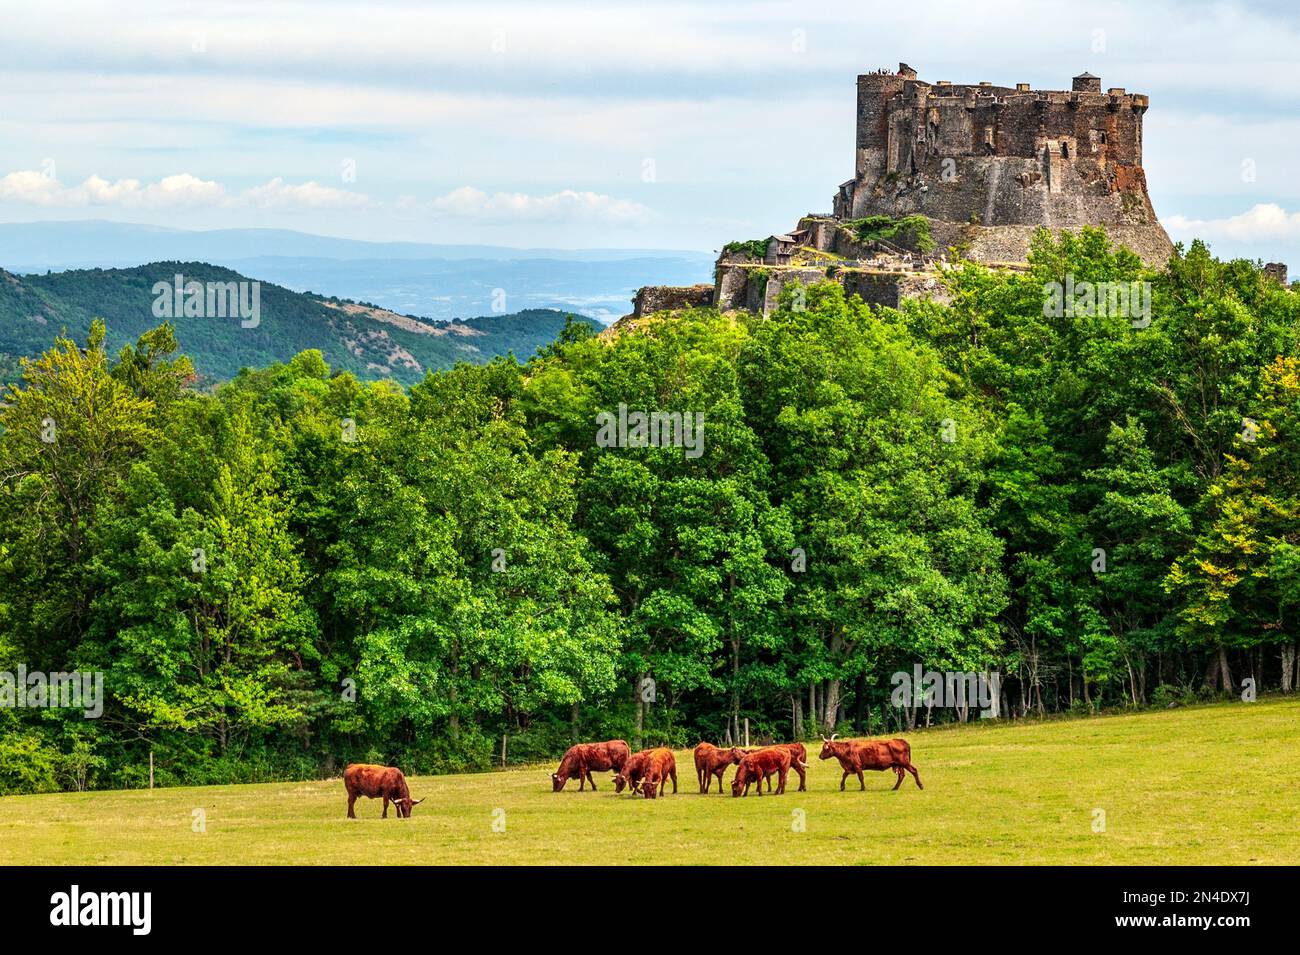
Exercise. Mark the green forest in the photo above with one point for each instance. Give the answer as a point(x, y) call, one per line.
point(298, 568)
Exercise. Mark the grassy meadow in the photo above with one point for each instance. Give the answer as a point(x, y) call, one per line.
point(1216, 784)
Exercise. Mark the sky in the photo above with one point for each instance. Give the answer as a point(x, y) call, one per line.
point(583, 125)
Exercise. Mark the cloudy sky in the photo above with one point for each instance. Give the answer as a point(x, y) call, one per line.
point(645, 124)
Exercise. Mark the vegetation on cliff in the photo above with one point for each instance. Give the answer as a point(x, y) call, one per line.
point(910, 232)
point(754, 248)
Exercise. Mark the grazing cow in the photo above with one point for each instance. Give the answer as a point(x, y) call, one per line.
point(581, 759)
point(760, 765)
point(363, 779)
point(632, 771)
point(798, 762)
point(650, 784)
point(856, 755)
point(711, 761)
point(659, 767)
point(638, 765)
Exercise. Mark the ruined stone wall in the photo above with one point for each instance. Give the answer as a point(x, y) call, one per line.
point(893, 118)
point(889, 289)
point(821, 232)
point(970, 121)
point(746, 287)
point(661, 298)
point(757, 289)
point(1009, 244)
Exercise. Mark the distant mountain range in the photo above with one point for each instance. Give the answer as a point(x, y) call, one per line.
point(429, 280)
point(370, 341)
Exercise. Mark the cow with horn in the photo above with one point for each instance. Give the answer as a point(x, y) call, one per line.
point(857, 755)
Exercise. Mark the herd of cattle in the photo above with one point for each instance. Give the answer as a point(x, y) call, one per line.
point(648, 771)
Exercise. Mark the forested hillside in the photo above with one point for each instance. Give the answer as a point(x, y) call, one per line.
point(302, 568)
point(368, 341)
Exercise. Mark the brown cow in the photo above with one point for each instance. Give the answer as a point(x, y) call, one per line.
point(659, 767)
point(798, 762)
point(581, 759)
point(638, 764)
point(649, 785)
point(857, 755)
point(363, 779)
point(760, 765)
point(711, 761)
point(632, 771)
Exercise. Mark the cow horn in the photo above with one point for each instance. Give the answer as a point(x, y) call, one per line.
point(833, 735)
point(802, 763)
point(825, 740)
point(420, 800)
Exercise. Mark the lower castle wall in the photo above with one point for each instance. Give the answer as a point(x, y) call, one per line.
point(757, 289)
point(661, 298)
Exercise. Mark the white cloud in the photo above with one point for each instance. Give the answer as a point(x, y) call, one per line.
point(565, 206)
point(183, 190)
point(1265, 222)
point(29, 187)
point(277, 194)
point(99, 191)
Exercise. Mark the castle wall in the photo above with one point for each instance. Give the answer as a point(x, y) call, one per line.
point(757, 289)
point(919, 121)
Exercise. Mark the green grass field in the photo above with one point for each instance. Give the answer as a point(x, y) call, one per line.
point(1206, 785)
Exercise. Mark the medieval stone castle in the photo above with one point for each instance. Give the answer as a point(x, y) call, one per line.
point(997, 156)
point(985, 165)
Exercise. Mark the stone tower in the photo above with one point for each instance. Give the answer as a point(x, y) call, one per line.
point(989, 164)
